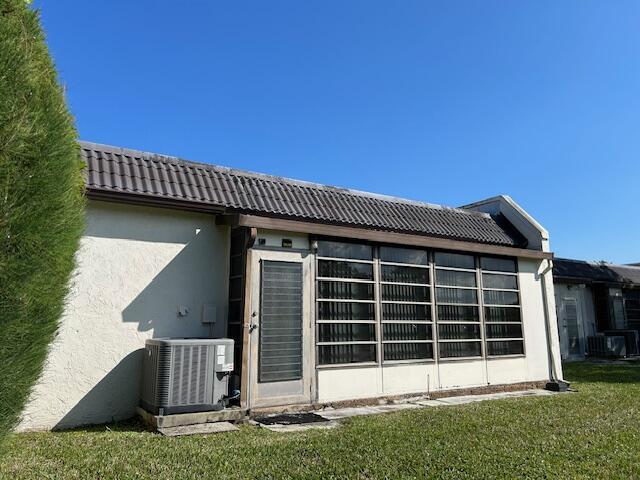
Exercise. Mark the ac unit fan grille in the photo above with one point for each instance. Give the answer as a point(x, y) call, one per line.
point(189, 375)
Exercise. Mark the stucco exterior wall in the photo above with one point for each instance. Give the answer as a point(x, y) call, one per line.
point(136, 267)
point(274, 238)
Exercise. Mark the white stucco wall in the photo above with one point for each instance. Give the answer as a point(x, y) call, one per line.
point(533, 318)
point(136, 266)
point(274, 238)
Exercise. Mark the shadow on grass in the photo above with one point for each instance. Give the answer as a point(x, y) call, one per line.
point(125, 426)
point(602, 372)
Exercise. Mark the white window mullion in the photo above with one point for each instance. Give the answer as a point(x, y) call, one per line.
point(378, 308)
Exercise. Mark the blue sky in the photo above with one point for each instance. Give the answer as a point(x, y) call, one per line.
point(444, 102)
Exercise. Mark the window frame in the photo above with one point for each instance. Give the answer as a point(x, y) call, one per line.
point(433, 322)
point(517, 290)
point(477, 305)
point(319, 322)
point(430, 303)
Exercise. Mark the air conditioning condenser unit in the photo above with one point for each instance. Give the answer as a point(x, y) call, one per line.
point(182, 375)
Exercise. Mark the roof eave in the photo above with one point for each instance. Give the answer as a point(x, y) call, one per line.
point(152, 200)
point(380, 236)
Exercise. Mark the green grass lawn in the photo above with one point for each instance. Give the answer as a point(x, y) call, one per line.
point(594, 433)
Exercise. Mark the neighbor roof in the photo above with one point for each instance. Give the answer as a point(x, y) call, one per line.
point(595, 272)
point(118, 173)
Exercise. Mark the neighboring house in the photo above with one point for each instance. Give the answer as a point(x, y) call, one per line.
point(591, 298)
point(330, 294)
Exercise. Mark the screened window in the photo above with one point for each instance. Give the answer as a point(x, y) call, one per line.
point(390, 304)
point(356, 251)
point(498, 264)
point(340, 269)
point(502, 316)
point(405, 292)
point(404, 255)
point(346, 304)
point(458, 308)
point(455, 260)
point(632, 307)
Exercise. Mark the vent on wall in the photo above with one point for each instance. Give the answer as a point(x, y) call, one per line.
point(601, 346)
point(280, 356)
point(189, 371)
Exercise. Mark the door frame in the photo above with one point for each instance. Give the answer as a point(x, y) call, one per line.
point(257, 395)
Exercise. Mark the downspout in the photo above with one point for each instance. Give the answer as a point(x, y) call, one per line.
point(556, 383)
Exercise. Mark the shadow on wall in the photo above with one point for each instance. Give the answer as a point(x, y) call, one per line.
point(108, 401)
point(191, 276)
point(133, 222)
point(181, 260)
point(197, 271)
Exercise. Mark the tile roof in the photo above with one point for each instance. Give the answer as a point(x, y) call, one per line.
point(122, 171)
point(599, 272)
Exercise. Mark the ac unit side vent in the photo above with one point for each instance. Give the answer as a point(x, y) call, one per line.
point(601, 346)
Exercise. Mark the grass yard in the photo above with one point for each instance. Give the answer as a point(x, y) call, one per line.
point(594, 433)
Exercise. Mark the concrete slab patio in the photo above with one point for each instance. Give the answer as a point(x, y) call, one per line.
point(335, 415)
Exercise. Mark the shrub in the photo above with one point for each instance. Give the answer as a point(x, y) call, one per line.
point(41, 204)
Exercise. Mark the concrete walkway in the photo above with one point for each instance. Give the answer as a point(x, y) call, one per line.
point(335, 415)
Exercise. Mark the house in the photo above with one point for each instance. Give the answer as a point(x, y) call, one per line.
point(592, 298)
point(331, 295)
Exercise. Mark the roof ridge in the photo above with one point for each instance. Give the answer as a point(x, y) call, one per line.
point(247, 173)
point(597, 263)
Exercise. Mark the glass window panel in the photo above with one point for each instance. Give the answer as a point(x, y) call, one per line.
point(333, 354)
point(458, 331)
point(632, 303)
point(455, 278)
point(406, 331)
point(345, 290)
point(345, 311)
point(455, 313)
point(357, 251)
point(405, 293)
point(456, 295)
point(456, 260)
point(404, 255)
point(504, 330)
point(500, 314)
point(395, 273)
point(497, 297)
point(498, 264)
point(407, 351)
point(406, 311)
point(361, 271)
point(491, 280)
point(514, 347)
point(346, 332)
point(459, 349)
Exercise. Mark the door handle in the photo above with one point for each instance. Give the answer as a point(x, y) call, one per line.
point(252, 326)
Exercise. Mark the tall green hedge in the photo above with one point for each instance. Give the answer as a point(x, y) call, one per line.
point(41, 204)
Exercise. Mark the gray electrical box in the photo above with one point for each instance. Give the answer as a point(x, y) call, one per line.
point(181, 375)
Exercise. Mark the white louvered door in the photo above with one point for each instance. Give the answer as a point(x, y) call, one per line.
point(280, 335)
